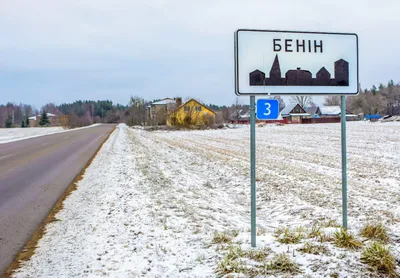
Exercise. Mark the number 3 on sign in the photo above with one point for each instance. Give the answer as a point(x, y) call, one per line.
point(267, 109)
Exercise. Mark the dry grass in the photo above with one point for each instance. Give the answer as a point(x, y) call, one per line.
point(379, 258)
point(281, 263)
point(258, 255)
point(344, 239)
point(375, 231)
point(289, 236)
point(238, 261)
point(221, 237)
point(315, 249)
point(315, 231)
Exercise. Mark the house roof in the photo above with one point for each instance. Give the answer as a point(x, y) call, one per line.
point(311, 110)
point(299, 114)
point(164, 101)
point(288, 108)
point(330, 110)
point(190, 101)
point(48, 115)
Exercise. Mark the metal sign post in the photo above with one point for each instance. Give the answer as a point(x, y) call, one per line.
point(253, 169)
point(344, 160)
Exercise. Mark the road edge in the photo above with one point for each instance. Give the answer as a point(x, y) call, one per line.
point(29, 249)
point(41, 135)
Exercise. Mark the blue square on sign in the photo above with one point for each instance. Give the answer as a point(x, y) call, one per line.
point(267, 109)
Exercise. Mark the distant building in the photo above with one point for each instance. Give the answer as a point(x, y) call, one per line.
point(336, 111)
point(314, 112)
point(191, 113)
point(294, 113)
point(299, 77)
point(55, 120)
point(330, 111)
point(157, 112)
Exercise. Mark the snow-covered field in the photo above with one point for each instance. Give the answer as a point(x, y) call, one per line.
point(15, 134)
point(151, 202)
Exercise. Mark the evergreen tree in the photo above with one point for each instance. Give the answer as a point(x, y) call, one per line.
point(44, 120)
point(374, 89)
point(23, 123)
point(27, 122)
point(8, 122)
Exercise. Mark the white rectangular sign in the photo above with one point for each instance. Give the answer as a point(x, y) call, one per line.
point(295, 63)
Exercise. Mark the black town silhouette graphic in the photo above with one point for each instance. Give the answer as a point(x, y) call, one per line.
point(301, 77)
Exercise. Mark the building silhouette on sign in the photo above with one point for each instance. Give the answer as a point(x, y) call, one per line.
point(299, 77)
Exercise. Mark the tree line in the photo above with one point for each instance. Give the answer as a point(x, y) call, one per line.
point(383, 100)
point(81, 113)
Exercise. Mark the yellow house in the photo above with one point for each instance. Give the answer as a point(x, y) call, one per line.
point(191, 113)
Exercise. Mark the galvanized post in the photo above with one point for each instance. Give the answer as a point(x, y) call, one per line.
point(253, 169)
point(344, 161)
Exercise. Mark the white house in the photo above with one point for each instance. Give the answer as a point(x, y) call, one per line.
point(330, 111)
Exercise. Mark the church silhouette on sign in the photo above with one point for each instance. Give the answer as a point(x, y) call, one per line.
point(299, 77)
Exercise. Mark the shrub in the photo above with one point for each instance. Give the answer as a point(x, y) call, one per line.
point(379, 258)
point(344, 239)
point(375, 231)
point(188, 120)
point(8, 123)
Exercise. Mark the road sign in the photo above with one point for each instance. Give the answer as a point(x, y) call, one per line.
point(267, 109)
point(295, 63)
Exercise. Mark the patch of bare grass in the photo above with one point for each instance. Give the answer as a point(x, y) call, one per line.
point(281, 263)
point(378, 257)
point(238, 261)
point(375, 231)
point(315, 249)
point(221, 237)
point(345, 239)
point(289, 236)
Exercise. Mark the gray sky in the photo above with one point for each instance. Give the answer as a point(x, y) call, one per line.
point(61, 51)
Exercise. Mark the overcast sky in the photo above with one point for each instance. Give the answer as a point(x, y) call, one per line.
point(61, 51)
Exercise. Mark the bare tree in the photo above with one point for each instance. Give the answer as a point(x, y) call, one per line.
point(282, 103)
point(137, 111)
point(355, 104)
point(236, 109)
point(332, 101)
point(51, 108)
point(304, 101)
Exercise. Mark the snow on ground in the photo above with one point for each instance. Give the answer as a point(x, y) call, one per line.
point(150, 203)
point(16, 134)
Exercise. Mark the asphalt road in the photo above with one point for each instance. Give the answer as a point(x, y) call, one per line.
point(34, 173)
